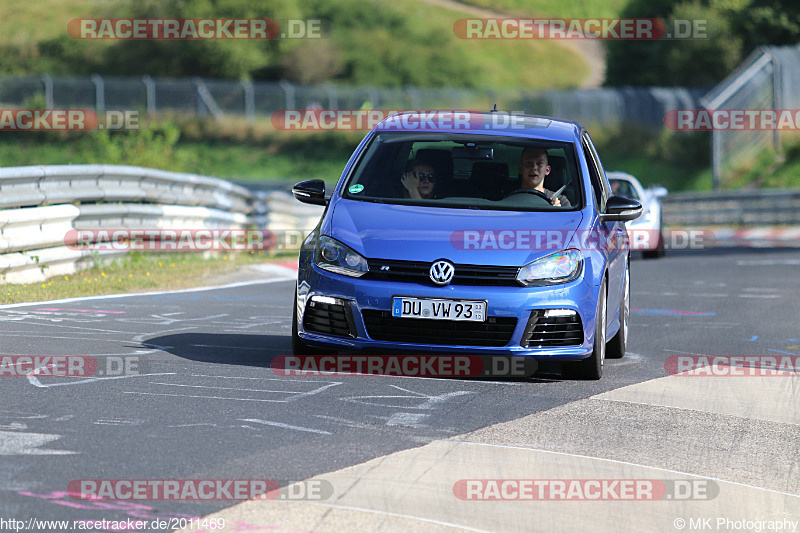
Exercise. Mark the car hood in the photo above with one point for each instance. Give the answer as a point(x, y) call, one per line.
point(463, 236)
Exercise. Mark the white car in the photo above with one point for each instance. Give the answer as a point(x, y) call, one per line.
point(647, 231)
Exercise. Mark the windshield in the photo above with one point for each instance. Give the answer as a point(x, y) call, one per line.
point(467, 172)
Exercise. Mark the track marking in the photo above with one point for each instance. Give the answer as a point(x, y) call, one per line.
point(153, 293)
point(398, 515)
point(36, 383)
point(285, 426)
point(512, 447)
point(221, 388)
point(203, 397)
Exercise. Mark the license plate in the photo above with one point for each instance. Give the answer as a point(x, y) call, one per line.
point(439, 309)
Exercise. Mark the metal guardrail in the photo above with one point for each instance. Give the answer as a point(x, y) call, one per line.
point(40, 205)
point(762, 207)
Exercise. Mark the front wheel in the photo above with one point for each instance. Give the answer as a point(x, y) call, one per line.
point(592, 366)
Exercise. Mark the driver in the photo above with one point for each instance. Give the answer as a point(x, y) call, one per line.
point(533, 168)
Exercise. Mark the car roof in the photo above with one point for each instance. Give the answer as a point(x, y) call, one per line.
point(486, 123)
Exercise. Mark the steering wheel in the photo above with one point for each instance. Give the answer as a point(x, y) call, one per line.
point(531, 191)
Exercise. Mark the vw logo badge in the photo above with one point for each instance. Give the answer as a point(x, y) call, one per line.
point(442, 272)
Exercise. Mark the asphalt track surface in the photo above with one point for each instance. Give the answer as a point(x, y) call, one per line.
point(207, 405)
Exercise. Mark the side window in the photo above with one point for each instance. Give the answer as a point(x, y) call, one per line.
point(600, 194)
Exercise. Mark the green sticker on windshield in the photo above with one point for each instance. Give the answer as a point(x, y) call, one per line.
point(355, 189)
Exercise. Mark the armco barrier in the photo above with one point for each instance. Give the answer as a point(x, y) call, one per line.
point(761, 207)
point(39, 205)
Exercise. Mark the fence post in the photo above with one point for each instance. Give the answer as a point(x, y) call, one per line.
point(777, 100)
point(413, 94)
point(249, 100)
point(374, 97)
point(205, 96)
point(288, 88)
point(48, 90)
point(333, 97)
point(150, 87)
point(99, 93)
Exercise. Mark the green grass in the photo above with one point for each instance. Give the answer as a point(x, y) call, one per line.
point(382, 44)
point(137, 272)
point(278, 157)
point(525, 63)
point(673, 177)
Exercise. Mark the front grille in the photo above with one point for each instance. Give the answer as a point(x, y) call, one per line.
point(548, 329)
point(382, 326)
point(417, 271)
point(329, 319)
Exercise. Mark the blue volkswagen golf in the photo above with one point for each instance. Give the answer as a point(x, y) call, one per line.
point(472, 234)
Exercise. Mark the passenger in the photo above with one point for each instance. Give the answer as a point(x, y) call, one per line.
point(533, 167)
point(420, 181)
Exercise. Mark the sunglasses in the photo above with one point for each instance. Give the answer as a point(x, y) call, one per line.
point(426, 177)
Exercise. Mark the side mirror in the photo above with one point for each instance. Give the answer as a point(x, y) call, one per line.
point(310, 192)
point(621, 208)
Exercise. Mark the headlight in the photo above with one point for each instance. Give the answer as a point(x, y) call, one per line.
point(552, 269)
point(331, 255)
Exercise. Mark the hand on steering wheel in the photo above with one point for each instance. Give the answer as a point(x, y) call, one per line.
point(552, 201)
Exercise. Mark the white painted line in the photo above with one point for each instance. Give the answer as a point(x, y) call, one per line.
point(19, 443)
point(511, 447)
point(315, 391)
point(407, 419)
point(153, 293)
point(768, 262)
point(221, 388)
point(285, 426)
point(36, 383)
point(285, 380)
point(398, 515)
point(679, 408)
point(228, 347)
point(204, 397)
point(343, 421)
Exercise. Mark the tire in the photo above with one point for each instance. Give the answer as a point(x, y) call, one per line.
point(615, 349)
point(592, 366)
point(298, 346)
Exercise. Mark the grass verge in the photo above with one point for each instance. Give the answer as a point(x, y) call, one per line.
point(137, 272)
